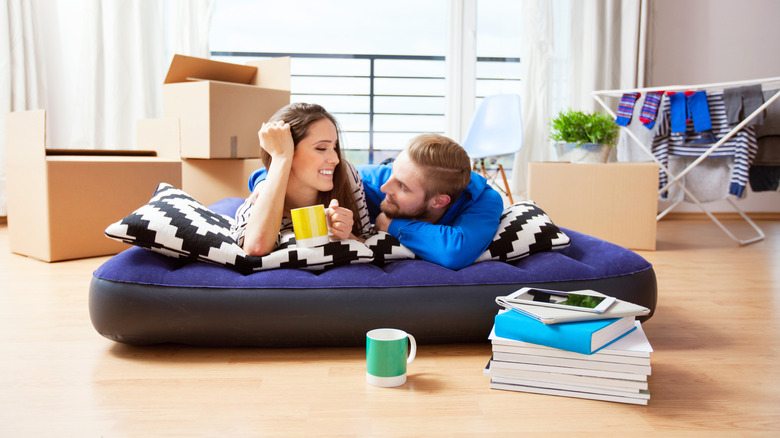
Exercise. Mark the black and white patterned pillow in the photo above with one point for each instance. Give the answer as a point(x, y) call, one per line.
point(524, 229)
point(386, 248)
point(175, 224)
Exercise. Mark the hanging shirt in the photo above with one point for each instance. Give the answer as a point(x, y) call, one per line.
point(742, 146)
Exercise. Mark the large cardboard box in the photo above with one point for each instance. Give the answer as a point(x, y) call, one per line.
point(207, 181)
point(616, 202)
point(222, 105)
point(61, 201)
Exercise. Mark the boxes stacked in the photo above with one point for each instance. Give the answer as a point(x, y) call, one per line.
point(616, 373)
point(213, 112)
point(221, 106)
point(61, 201)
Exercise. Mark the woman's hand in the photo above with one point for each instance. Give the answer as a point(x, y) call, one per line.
point(276, 139)
point(340, 220)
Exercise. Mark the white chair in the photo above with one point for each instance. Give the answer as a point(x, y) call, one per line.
point(495, 131)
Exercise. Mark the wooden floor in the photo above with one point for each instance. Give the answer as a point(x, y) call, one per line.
point(716, 366)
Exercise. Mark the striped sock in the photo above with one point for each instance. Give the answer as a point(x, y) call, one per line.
point(650, 108)
point(626, 108)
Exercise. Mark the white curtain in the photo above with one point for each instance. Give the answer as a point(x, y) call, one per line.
point(537, 62)
point(20, 72)
point(602, 50)
point(96, 66)
point(605, 48)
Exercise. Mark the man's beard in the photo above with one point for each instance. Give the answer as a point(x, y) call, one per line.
point(393, 212)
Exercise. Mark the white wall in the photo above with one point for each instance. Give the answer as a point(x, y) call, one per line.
point(705, 41)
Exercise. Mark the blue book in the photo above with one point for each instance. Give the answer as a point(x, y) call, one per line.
point(584, 337)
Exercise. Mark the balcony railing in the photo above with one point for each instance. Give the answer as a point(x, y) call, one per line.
point(381, 101)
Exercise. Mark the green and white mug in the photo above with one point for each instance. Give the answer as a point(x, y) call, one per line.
point(387, 354)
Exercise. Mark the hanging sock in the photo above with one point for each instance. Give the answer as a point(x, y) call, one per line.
point(742, 102)
point(650, 108)
point(678, 112)
point(626, 108)
point(752, 98)
point(700, 113)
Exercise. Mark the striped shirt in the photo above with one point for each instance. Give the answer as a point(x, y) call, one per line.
point(285, 231)
point(742, 146)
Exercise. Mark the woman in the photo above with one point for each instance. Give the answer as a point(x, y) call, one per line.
point(301, 151)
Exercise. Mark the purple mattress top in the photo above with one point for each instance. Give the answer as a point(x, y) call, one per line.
point(586, 258)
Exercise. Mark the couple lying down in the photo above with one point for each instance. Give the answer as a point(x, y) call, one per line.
point(428, 198)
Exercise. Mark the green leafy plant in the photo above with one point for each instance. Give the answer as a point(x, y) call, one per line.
point(578, 127)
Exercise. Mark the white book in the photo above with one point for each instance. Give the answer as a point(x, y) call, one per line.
point(637, 393)
point(573, 394)
point(494, 370)
point(632, 345)
point(502, 365)
point(570, 363)
point(555, 353)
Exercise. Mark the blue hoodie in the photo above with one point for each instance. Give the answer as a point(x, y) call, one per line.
point(460, 236)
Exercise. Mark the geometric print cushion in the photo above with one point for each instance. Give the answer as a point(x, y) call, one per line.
point(175, 224)
point(386, 248)
point(524, 230)
point(333, 253)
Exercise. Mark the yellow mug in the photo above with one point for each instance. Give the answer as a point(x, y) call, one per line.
point(310, 226)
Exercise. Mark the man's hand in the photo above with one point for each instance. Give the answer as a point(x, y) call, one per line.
point(382, 222)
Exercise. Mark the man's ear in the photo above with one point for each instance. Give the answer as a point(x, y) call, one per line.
point(440, 201)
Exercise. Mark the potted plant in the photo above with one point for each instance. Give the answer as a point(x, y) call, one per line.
point(583, 137)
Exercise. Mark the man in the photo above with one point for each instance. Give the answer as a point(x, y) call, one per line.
point(431, 201)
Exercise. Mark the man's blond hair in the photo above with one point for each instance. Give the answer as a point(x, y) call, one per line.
point(444, 164)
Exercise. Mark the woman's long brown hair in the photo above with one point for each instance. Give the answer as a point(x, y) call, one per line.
point(300, 116)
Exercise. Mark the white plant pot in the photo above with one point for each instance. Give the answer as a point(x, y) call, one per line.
point(587, 153)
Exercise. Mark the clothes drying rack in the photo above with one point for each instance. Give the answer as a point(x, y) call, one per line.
point(766, 83)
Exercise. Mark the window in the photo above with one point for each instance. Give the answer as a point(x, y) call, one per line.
point(379, 69)
point(499, 46)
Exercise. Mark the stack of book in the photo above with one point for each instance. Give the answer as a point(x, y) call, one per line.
point(597, 358)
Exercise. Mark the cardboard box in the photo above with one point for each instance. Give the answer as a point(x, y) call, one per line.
point(222, 105)
point(208, 181)
point(61, 201)
point(616, 202)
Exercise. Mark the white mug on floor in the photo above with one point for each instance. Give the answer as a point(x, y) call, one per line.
point(387, 354)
